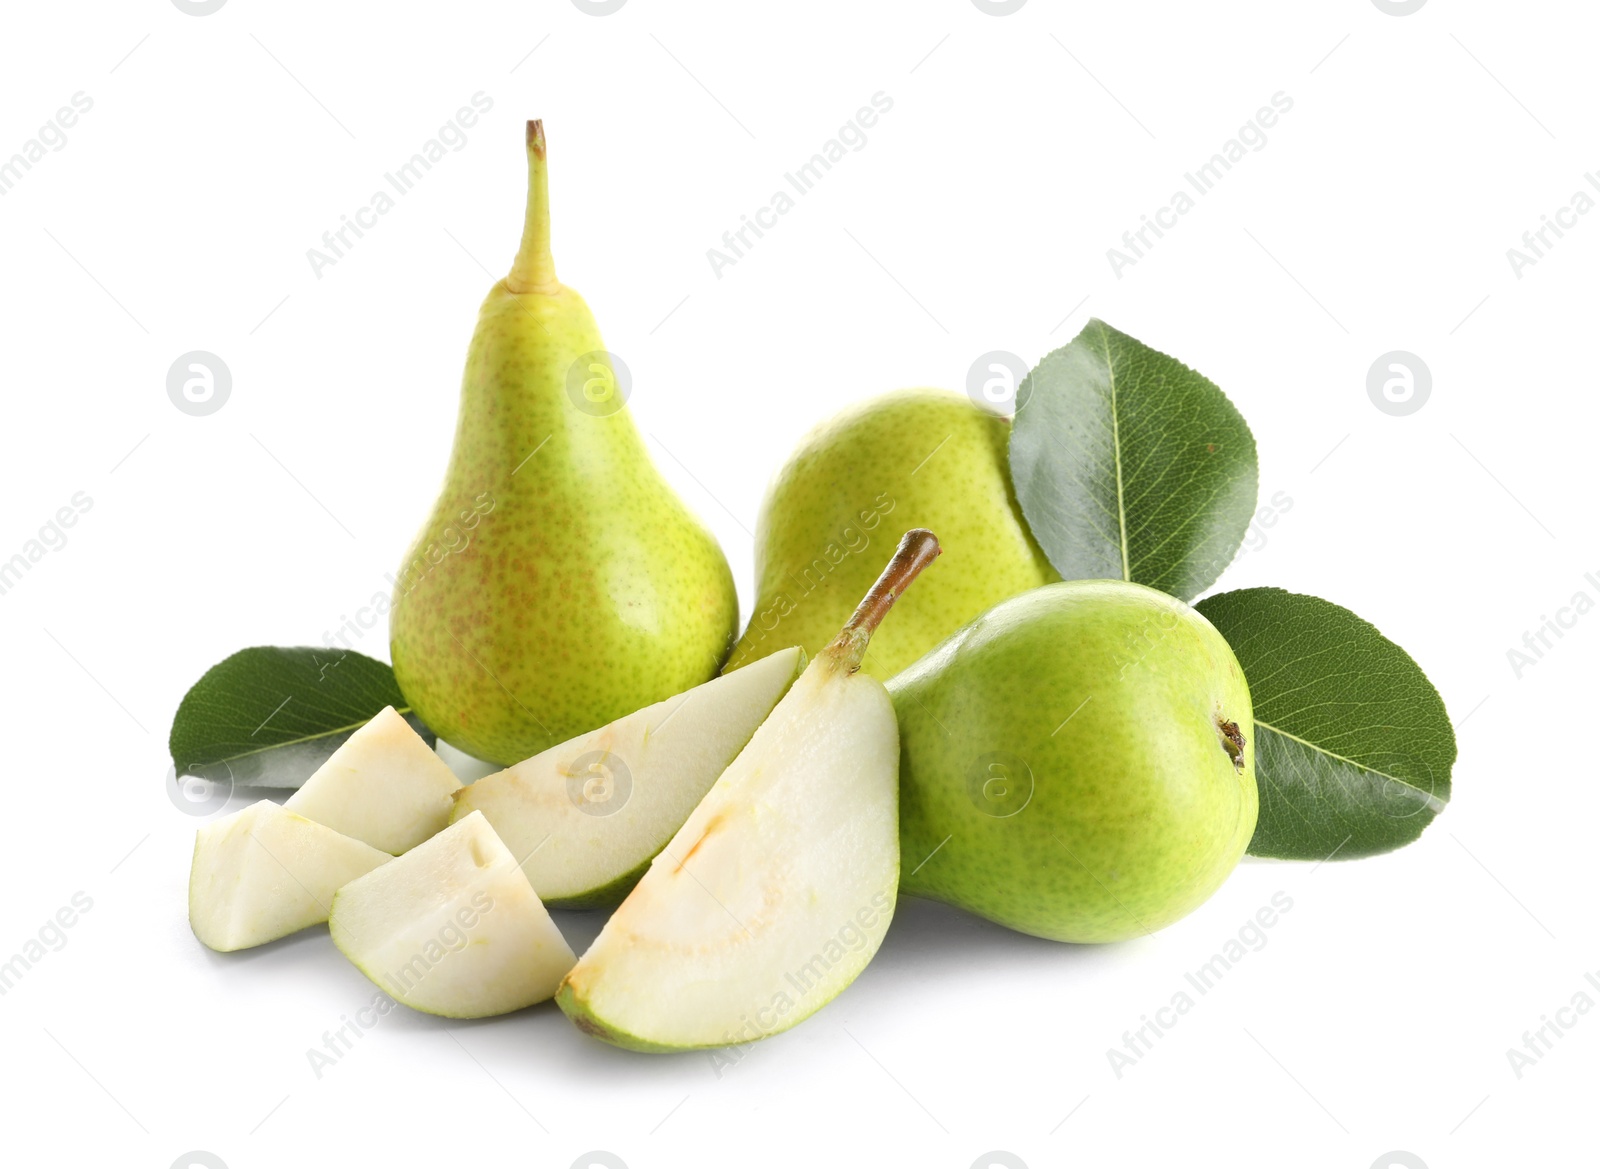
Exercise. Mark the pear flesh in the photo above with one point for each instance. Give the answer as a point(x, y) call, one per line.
point(911, 458)
point(772, 897)
point(264, 873)
point(384, 786)
point(588, 816)
point(777, 891)
point(559, 582)
point(1078, 763)
point(453, 928)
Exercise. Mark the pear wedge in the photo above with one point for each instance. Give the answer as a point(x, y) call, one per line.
point(264, 872)
point(776, 893)
point(453, 928)
point(384, 786)
point(587, 817)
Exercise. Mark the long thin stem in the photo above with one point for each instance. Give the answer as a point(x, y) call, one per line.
point(534, 270)
point(917, 550)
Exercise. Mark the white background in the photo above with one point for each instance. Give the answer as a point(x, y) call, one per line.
point(220, 148)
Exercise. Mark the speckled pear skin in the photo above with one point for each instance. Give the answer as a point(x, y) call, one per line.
point(559, 583)
point(918, 458)
point(1110, 701)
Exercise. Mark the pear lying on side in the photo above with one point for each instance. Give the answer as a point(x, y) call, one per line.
point(1078, 763)
point(908, 459)
point(587, 817)
point(264, 872)
point(452, 928)
point(384, 786)
point(777, 891)
point(559, 582)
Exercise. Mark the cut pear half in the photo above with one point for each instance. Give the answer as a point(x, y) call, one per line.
point(777, 891)
point(264, 872)
point(586, 817)
point(453, 928)
point(384, 786)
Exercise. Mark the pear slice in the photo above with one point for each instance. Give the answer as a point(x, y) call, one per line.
point(777, 891)
point(265, 872)
point(586, 817)
point(384, 786)
point(453, 928)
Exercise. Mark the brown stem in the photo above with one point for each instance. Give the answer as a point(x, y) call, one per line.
point(917, 550)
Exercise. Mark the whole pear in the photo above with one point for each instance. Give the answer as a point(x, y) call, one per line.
point(1078, 763)
point(918, 458)
point(559, 583)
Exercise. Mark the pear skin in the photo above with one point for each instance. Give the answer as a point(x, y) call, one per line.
point(1078, 763)
point(916, 458)
point(559, 583)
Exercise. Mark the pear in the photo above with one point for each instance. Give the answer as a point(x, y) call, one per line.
point(264, 872)
point(384, 786)
point(912, 458)
point(452, 928)
point(1078, 763)
point(587, 817)
point(559, 583)
point(777, 891)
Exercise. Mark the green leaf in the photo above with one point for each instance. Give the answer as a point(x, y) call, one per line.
point(1131, 465)
point(269, 716)
point(1353, 744)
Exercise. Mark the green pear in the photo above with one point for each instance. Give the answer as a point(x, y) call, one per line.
point(913, 458)
point(585, 818)
point(383, 786)
point(1078, 763)
point(776, 892)
point(265, 872)
point(559, 582)
point(452, 928)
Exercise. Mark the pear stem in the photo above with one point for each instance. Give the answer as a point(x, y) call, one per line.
point(917, 550)
point(534, 270)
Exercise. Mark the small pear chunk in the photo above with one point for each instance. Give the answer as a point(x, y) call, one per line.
point(384, 786)
point(585, 818)
point(453, 928)
point(777, 891)
point(264, 872)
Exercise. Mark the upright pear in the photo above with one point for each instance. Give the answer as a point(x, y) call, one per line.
point(1078, 763)
point(912, 458)
point(559, 583)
